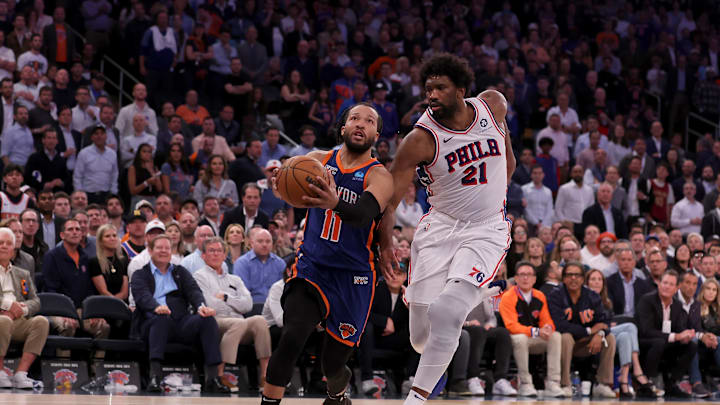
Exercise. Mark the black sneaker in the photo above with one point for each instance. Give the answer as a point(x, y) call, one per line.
point(342, 399)
point(674, 391)
point(460, 388)
point(216, 386)
point(700, 391)
point(155, 384)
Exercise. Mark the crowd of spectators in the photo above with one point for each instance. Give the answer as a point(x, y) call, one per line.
point(165, 202)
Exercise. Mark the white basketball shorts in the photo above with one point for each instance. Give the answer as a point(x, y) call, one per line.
point(446, 248)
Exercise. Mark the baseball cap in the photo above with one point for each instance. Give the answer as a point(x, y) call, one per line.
point(652, 236)
point(272, 164)
point(135, 214)
point(154, 224)
point(379, 85)
point(144, 203)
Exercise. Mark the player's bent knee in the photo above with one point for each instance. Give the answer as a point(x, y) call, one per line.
point(418, 341)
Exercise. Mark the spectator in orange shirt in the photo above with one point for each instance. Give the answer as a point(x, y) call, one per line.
point(524, 311)
point(191, 112)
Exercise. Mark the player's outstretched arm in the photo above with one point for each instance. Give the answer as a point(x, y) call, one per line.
point(417, 147)
point(498, 106)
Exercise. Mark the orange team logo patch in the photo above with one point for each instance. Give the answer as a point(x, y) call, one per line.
point(347, 330)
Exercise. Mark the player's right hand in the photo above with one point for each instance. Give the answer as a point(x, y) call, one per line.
point(389, 263)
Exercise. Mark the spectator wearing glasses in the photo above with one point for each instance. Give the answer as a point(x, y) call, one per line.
point(585, 326)
point(525, 313)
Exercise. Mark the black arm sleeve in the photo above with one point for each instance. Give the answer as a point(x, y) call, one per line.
point(360, 214)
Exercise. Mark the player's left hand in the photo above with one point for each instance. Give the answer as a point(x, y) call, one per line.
point(326, 192)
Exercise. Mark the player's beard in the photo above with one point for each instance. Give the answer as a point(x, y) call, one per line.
point(445, 111)
point(355, 147)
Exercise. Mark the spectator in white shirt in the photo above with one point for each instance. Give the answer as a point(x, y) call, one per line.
point(569, 120)
point(7, 59)
point(130, 144)
point(84, 114)
point(34, 58)
point(409, 211)
point(560, 139)
point(687, 214)
point(17, 141)
point(127, 114)
point(539, 209)
point(590, 250)
point(573, 198)
point(26, 90)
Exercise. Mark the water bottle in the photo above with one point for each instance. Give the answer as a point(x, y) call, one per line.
point(576, 384)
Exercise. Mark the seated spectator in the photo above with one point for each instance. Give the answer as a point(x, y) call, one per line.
point(152, 229)
point(96, 169)
point(14, 201)
point(215, 182)
point(227, 295)
point(688, 213)
point(163, 289)
point(248, 214)
point(585, 326)
point(525, 314)
point(78, 200)
point(135, 241)
point(626, 342)
point(47, 169)
point(681, 259)
point(98, 216)
point(657, 264)
point(517, 247)
point(307, 140)
point(219, 144)
point(271, 149)
point(590, 249)
point(176, 174)
point(566, 250)
point(269, 202)
point(144, 179)
point(21, 258)
point(165, 209)
point(388, 328)
point(606, 259)
point(409, 211)
point(87, 242)
point(108, 269)
point(535, 254)
point(211, 214)
point(665, 335)
point(603, 215)
point(194, 261)
point(17, 140)
point(129, 145)
point(178, 247)
point(61, 206)
point(18, 322)
point(259, 268)
point(64, 272)
point(711, 221)
point(237, 245)
point(191, 112)
point(32, 242)
point(625, 288)
point(705, 319)
point(246, 169)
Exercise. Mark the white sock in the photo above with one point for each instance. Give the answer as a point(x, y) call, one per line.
point(414, 398)
point(21, 374)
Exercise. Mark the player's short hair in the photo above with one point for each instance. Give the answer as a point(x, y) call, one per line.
point(454, 67)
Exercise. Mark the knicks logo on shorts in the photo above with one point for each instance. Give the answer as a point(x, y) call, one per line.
point(361, 280)
point(347, 330)
point(479, 275)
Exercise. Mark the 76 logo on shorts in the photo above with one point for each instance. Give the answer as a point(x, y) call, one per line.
point(479, 275)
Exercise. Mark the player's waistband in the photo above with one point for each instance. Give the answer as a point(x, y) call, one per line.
point(496, 217)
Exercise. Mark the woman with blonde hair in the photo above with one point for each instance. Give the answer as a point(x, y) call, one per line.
point(626, 338)
point(237, 245)
point(705, 318)
point(108, 270)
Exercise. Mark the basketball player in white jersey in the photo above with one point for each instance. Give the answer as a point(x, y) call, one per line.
point(461, 151)
point(13, 201)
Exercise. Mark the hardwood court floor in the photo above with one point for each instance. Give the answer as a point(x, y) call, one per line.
point(45, 399)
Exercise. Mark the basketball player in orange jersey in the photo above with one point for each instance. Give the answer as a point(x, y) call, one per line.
point(333, 278)
point(462, 154)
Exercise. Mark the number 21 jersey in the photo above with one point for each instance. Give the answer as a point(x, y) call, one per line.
point(467, 179)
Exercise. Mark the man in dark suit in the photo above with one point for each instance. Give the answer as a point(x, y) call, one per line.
point(524, 167)
point(51, 224)
point(603, 215)
point(625, 285)
point(711, 221)
point(636, 178)
point(7, 101)
point(245, 169)
point(248, 214)
point(657, 147)
point(664, 335)
point(46, 168)
point(163, 292)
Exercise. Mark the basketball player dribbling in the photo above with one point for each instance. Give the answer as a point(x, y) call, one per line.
point(333, 278)
point(462, 154)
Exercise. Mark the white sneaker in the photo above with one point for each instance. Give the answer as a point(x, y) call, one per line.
point(503, 387)
point(567, 391)
point(553, 390)
point(526, 390)
point(475, 386)
point(23, 382)
point(407, 385)
point(5, 380)
point(603, 391)
point(369, 387)
point(173, 380)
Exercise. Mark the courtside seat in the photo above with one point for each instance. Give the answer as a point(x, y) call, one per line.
point(54, 304)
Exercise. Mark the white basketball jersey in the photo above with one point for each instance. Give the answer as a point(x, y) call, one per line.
point(467, 179)
point(8, 209)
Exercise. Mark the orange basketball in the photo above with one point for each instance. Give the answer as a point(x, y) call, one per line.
point(294, 177)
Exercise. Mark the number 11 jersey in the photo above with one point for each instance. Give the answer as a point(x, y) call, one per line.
point(467, 179)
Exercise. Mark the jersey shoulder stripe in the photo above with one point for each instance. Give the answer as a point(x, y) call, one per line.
point(492, 117)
